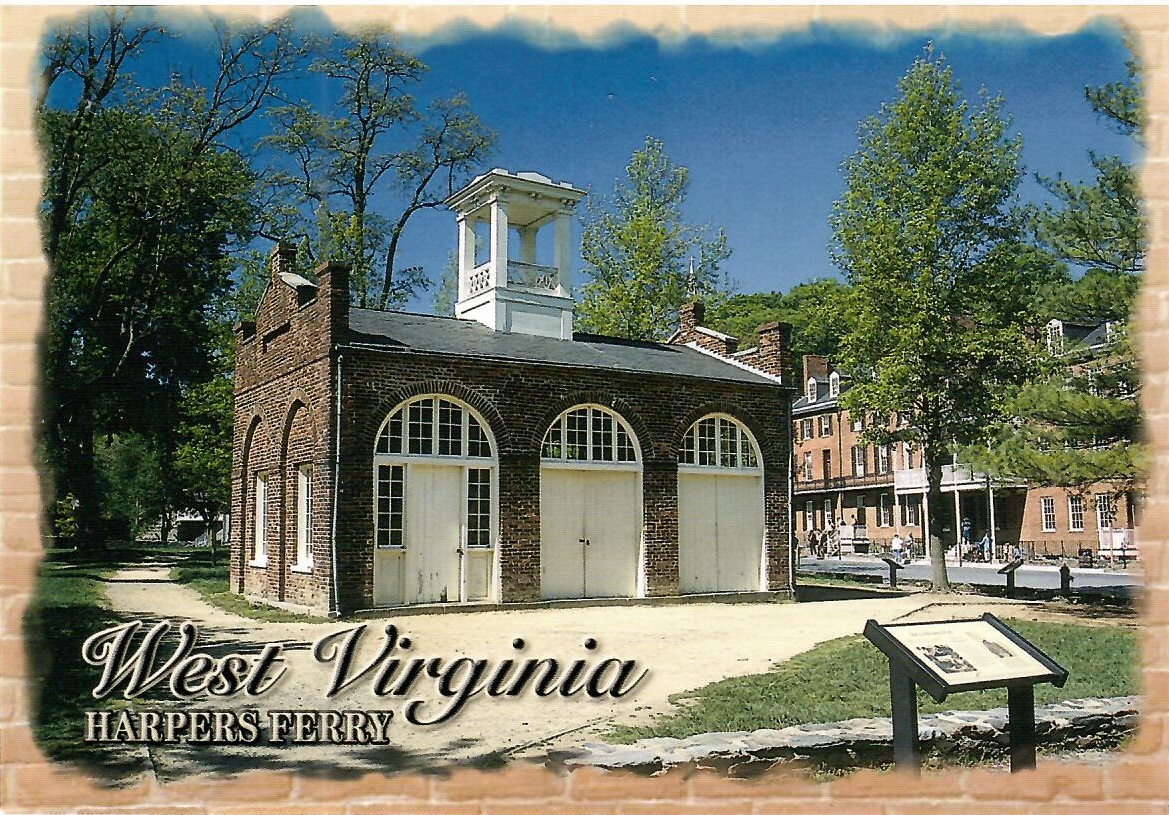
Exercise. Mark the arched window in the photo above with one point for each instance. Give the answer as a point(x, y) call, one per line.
point(813, 389)
point(433, 426)
point(590, 433)
point(719, 441)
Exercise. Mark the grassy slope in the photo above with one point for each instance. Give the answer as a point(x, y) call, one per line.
point(848, 677)
point(197, 572)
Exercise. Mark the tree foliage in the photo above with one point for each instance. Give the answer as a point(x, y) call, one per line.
point(1078, 425)
point(202, 461)
point(143, 204)
point(354, 175)
point(818, 311)
point(638, 252)
point(925, 233)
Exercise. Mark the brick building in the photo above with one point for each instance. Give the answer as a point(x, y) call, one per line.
point(385, 459)
point(872, 492)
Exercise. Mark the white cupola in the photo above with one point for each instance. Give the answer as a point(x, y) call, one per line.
point(512, 291)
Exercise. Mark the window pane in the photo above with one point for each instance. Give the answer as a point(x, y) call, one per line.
point(602, 436)
point(577, 435)
point(706, 443)
point(450, 428)
point(729, 444)
point(421, 427)
point(552, 442)
point(390, 505)
point(686, 454)
point(747, 450)
point(477, 444)
point(479, 507)
point(625, 449)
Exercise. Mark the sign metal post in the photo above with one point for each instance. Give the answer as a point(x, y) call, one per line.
point(961, 655)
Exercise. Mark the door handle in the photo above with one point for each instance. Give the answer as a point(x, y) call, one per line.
point(581, 540)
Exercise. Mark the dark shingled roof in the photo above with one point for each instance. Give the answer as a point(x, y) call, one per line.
point(396, 330)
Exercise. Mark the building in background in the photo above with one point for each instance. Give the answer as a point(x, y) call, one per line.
point(867, 493)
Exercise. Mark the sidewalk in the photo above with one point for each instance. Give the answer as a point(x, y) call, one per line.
point(1135, 568)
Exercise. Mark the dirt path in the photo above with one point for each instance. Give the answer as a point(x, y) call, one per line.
point(682, 647)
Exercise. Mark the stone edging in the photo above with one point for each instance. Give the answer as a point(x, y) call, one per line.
point(1073, 724)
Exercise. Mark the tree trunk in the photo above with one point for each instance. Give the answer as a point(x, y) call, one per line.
point(82, 477)
point(933, 531)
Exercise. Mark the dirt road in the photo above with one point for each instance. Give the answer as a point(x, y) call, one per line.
point(680, 647)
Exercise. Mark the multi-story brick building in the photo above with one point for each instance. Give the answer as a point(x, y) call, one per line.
point(872, 492)
point(384, 459)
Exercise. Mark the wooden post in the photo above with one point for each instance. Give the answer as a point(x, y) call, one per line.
point(903, 698)
point(1021, 723)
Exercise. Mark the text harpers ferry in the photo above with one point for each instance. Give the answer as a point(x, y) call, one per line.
point(433, 689)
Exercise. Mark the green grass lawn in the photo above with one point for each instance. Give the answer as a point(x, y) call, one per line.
point(210, 580)
point(68, 606)
point(849, 677)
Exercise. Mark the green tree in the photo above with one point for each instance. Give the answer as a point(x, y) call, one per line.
point(816, 309)
point(925, 233)
point(142, 206)
point(447, 292)
point(131, 472)
point(202, 461)
point(1078, 424)
point(375, 137)
point(638, 252)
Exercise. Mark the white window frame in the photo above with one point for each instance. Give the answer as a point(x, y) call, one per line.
point(829, 512)
point(809, 515)
point(884, 510)
point(1075, 513)
point(259, 520)
point(590, 460)
point(1105, 511)
point(911, 510)
point(464, 462)
point(1047, 513)
point(859, 460)
point(808, 465)
point(858, 423)
point(883, 458)
point(812, 392)
point(834, 385)
point(825, 425)
point(304, 519)
point(746, 448)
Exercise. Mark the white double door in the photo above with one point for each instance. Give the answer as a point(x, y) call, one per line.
point(435, 514)
point(590, 532)
point(720, 532)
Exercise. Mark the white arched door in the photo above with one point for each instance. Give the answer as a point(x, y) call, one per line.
point(720, 509)
point(435, 510)
point(590, 506)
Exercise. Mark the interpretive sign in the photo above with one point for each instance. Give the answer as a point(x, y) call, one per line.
point(962, 655)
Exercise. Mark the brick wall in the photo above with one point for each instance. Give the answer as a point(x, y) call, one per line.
point(519, 401)
point(284, 418)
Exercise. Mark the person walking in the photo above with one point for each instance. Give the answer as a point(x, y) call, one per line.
point(986, 547)
point(897, 546)
point(814, 542)
point(909, 547)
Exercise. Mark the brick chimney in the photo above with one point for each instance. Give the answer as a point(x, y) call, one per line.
point(774, 355)
point(690, 316)
point(815, 366)
point(691, 330)
point(281, 260)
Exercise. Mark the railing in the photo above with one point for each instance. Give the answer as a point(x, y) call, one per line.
point(844, 482)
point(953, 477)
point(532, 275)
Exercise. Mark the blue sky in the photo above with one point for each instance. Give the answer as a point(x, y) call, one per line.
point(762, 128)
point(762, 124)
